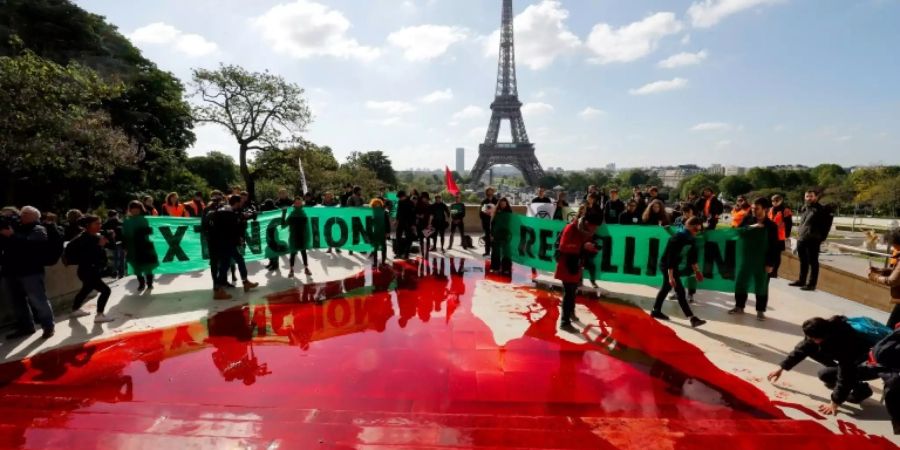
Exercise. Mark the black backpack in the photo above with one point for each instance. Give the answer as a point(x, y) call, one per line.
point(886, 353)
point(55, 246)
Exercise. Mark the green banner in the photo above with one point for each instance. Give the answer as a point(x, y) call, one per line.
point(731, 260)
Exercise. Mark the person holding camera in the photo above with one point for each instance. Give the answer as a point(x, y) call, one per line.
point(88, 253)
point(227, 232)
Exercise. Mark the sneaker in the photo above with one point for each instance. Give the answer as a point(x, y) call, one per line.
point(567, 326)
point(221, 294)
point(141, 286)
point(594, 285)
point(797, 284)
point(307, 271)
point(697, 322)
point(230, 285)
point(249, 285)
point(808, 288)
point(78, 313)
point(102, 318)
point(338, 251)
point(690, 298)
point(48, 334)
point(576, 319)
point(658, 315)
point(736, 310)
point(328, 251)
point(291, 274)
point(761, 316)
point(19, 334)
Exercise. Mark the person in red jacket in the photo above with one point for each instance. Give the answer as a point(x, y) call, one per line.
point(575, 244)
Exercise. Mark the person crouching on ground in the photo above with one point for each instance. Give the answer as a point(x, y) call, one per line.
point(841, 349)
point(669, 265)
point(575, 246)
point(891, 278)
point(87, 251)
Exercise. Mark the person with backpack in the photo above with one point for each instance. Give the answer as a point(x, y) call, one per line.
point(87, 252)
point(884, 362)
point(29, 250)
point(457, 221)
point(841, 345)
point(228, 231)
point(682, 243)
point(139, 251)
point(815, 224)
point(890, 278)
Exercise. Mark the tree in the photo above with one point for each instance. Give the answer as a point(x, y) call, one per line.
point(53, 129)
point(697, 183)
point(377, 162)
point(218, 169)
point(261, 111)
point(735, 185)
point(637, 177)
point(764, 178)
point(828, 174)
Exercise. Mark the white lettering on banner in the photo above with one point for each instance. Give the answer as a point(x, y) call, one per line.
point(541, 210)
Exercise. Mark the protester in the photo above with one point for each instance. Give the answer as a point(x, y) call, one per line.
point(173, 208)
point(838, 346)
point(381, 231)
point(309, 200)
point(440, 220)
point(614, 207)
point(561, 205)
point(687, 211)
point(406, 225)
point(884, 362)
point(815, 224)
point(740, 213)
point(669, 265)
point(457, 221)
point(423, 224)
point(216, 201)
point(87, 252)
point(592, 206)
point(113, 229)
point(891, 278)
point(139, 251)
point(50, 220)
point(228, 228)
point(541, 197)
point(348, 192)
point(630, 216)
point(329, 201)
point(487, 207)
point(501, 254)
point(574, 248)
point(196, 206)
point(759, 219)
point(149, 209)
point(27, 250)
point(709, 208)
point(783, 218)
point(653, 195)
point(71, 228)
point(300, 239)
point(284, 200)
point(639, 200)
point(655, 214)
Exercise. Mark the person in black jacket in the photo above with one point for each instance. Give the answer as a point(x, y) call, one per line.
point(113, 229)
point(709, 208)
point(406, 225)
point(87, 251)
point(457, 221)
point(614, 207)
point(759, 219)
point(670, 264)
point(630, 216)
point(815, 223)
point(541, 197)
point(27, 249)
point(216, 199)
point(440, 220)
point(228, 233)
point(835, 344)
point(486, 215)
point(298, 225)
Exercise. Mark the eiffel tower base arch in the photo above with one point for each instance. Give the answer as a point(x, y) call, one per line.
point(520, 156)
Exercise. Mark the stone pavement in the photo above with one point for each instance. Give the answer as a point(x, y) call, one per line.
point(469, 360)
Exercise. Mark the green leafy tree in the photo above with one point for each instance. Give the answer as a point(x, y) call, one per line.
point(262, 111)
point(695, 184)
point(377, 162)
point(735, 185)
point(828, 174)
point(764, 178)
point(217, 169)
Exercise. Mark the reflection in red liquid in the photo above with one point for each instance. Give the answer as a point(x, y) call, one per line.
point(398, 358)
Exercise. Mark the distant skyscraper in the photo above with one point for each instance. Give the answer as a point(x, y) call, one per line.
point(460, 161)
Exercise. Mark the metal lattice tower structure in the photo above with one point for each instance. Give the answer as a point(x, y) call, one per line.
point(506, 106)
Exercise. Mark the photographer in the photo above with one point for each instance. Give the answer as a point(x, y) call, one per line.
point(27, 251)
point(88, 253)
point(227, 232)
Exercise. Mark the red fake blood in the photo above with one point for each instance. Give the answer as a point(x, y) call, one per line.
point(395, 358)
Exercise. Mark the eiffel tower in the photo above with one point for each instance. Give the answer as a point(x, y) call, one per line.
point(506, 106)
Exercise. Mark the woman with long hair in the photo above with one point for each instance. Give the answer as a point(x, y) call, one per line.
point(173, 208)
point(656, 214)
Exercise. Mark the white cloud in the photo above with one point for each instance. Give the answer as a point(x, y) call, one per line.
point(477, 133)
point(541, 35)
point(425, 42)
point(390, 107)
point(390, 121)
point(712, 126)
point(438, 96)
point(683, 59)
point(591, 112)
point(660, 86)
point(469, 112)
point(706, 13)
point(632, 41)
point(537, 108)
point(305, 29)
point(160, 33)
point(686, 39)
point(723, 143)
point(844, 138)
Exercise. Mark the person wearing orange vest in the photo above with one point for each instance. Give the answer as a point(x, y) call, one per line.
point(196, 206)
point(784, 220)
point(172, 208)
point(149, 209)
point(740, 213)
point(709, 208)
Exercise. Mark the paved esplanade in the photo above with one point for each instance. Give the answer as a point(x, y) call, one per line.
point(421, 355)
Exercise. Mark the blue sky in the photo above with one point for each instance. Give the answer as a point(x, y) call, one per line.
point(636, 83)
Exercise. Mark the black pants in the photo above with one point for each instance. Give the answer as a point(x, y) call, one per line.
point(91, 281)
point(892, 397)
point(568, 302)
point(405, 237)
point(302, 256)
point(781, 246)
point(439, 232)
point(486, 227)
point(829, 376)
point(894, 318)
point(762, 301)
point(808, 251)
point(462, 233)
point(679, 291)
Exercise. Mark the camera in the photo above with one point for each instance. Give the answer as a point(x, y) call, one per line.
point(9, 221)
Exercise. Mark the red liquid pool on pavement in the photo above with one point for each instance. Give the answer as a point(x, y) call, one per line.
point(417, 356)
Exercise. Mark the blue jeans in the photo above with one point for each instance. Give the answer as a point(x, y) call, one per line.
point(34, 290)
point(225, 257)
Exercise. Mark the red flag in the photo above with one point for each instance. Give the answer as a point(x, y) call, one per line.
point(451, 184)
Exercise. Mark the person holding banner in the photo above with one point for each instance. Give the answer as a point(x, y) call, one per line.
point(574, 247)
point(613, 208)
point(670, 263)
point(139, 251)
point(440, 220)
point(561, 205)
point(501, 254)
point(655, 214)
point(298, 226)
point(487, 210)
point(630, 216)
point(329, 201)
point(228, 232)
point(381, 231)
point(759, 219)
point(173, 208)
point(541, 197)
point(710, 208)
point(457, 221)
